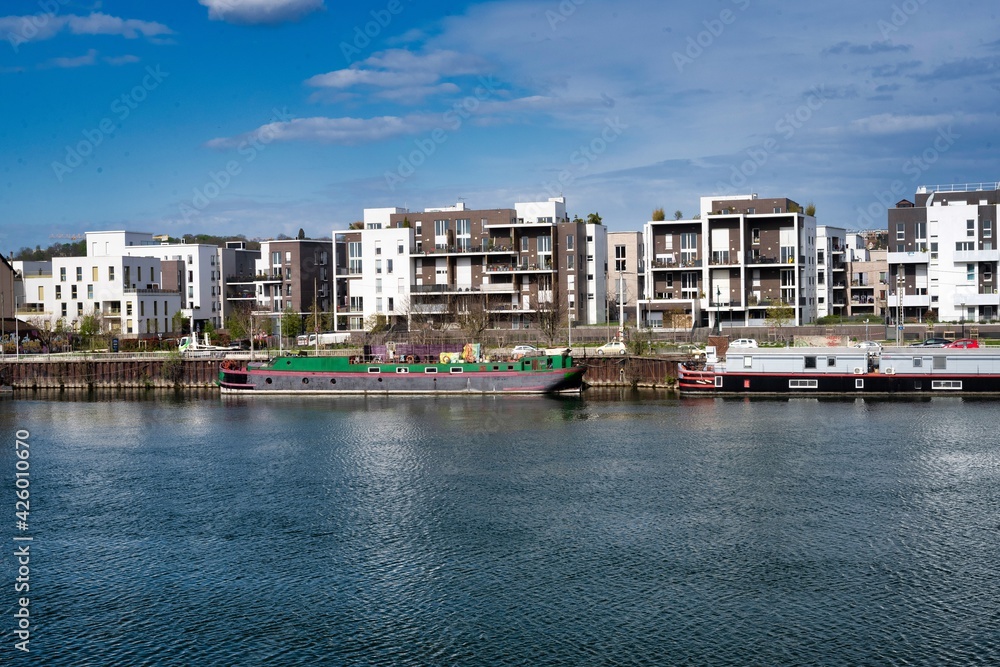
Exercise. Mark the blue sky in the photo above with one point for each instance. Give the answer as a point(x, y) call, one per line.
point(260, 117)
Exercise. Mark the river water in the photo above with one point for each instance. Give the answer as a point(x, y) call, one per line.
point(615, 529)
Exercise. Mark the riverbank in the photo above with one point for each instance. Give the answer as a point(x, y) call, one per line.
point(171, 372)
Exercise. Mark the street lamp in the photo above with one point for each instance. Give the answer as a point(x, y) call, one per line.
point(866, 328)
point(717, 331)
point(962, 316)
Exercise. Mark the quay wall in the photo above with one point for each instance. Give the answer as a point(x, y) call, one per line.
point(119, 373)
point(153, 373)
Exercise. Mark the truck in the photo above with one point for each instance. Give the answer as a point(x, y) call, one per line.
point(330, 338)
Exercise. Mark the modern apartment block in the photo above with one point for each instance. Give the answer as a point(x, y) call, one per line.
point(742, 256)
point(942, 259)
point(121, 286)
point(626, 276)
point(511, 264)
point(295, 274)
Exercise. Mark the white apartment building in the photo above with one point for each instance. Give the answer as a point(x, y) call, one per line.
point(943, 254)
point(123, 291)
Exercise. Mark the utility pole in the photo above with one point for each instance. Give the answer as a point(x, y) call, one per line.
point(621, 306)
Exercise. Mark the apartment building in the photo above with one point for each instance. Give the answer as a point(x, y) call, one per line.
point(942, 258)
point(417, 268)
point(626, 277)
point(124, 291)
point(294, 274)
point(728, 267)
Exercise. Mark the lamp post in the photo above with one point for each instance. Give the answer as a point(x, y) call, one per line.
point(717, 330)
point(962, 316)
point(866, 328)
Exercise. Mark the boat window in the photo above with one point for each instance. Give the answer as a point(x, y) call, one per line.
point(940, 363)
point(718, 380)
point(803, 384)
point(305, 380)
point(431, 369)
point(859, 383)
point(510, 368)
point(402, 369)
point(748, 362)
point(954, 385)
point(267, 381)
point(374, 369)
point(810, 361)
point(456, 369)
point(918, 362)
point(831, 362)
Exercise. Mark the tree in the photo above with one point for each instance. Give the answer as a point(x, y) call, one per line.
point(678, 215)
point(291, 323)
point(550, 316)
point(594, 218)
point(178, 322)
point(209, 329)
point(811, 209)
point(780, 314)
point(91, 325)
point(577, 219)
point(239, 322)
point(473, 316)
point(376, 323)
point(659, 215)
point(301, 235)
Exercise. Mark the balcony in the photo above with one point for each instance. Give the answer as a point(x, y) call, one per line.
point(977, 255)
point(913, 257)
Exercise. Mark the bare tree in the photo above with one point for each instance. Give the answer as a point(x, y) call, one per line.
point(240, 321)
point(550, 315)
point(472, 315)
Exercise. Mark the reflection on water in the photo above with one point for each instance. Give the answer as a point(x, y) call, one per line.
point(180, 529)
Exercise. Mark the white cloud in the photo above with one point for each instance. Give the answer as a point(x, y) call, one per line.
point(121, 60)
point(257, 12)
point(22, 29)
point(80, 61)
point(890, 123)
point(344, 131)
point(413, 75)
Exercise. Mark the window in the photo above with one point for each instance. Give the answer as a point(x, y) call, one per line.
point(72, 292)
point(970, 272)
point(544, 244)
point(900, 231)
point(79, 274)
point(803, 384)
point(354, 257)
point(463, 238)
point(58, 292)
point(620, 262)
point(524, 244)
point(357, 304)
point(570, 261)
point(378, 285)
point(378, 266)
point(288, 257)
point(64, 309)
point(90, 291)
point(62, 274)
point(810, 361)
point(93, 274)
point(440, 227)
point(378, 247)
point(128, 307)
point(569, 242)
point(388, 266)
point(111, 273)
point(987, 229)
point(378, 304)
point(400, 248)
point(970, 227)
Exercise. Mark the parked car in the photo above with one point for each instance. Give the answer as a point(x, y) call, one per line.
point(612, 347)
point(524, 351)
point(963, 342)
point(931, 342)
point(743, 342)
point(872, 345)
